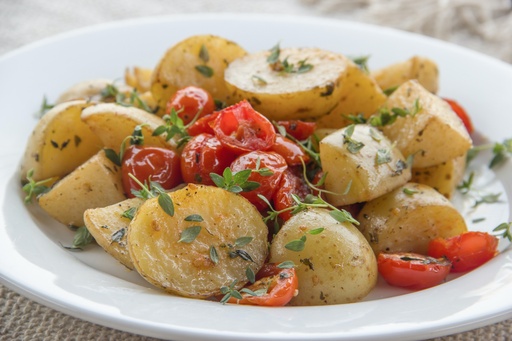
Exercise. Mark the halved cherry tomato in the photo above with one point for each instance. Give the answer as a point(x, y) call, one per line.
point(189, 102)
point(274, 163)
point(291, 151)
point(412, 270)
point(301, 130)
point(242, 129)
point(161, 165)
point(463, 115)
point(203, 125)
point(280, 285)
point(466, 251)
point(202, 155)
point(291, 183)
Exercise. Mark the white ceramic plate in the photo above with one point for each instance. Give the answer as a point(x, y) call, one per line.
point(91, 286)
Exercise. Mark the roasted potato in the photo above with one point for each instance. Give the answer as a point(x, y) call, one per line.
point(433, 133)
point(198, 60)
point(96, 183)
point(138, 78)
point(335, 266)
point(361, 164)
point(59, 143)
point(408, 218)
point(422, 69)
point(109, 227)
point(214, 258)
point(283, 94)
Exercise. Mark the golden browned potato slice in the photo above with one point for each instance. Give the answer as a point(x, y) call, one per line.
point(360, 165)
point(59, 143)
point(112, 123)
point(444, 178)
point(198, 60)
point(335, 266)
point(284, 95)
point(138, 78)
point(433, 132)
point(167, 253)
point(109, 227)
point(408, 218)
point(96, 183)
point(89, 90)
point(423, 69)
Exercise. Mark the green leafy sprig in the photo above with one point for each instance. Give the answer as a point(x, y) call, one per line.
point(34, 188)
point(154, 190)
point(284, 66)
point(235, 182)
point(81, 239)
point(299, 244)
point(112, 93)
point(136, 138)
point(504, 230)
point(501, 152)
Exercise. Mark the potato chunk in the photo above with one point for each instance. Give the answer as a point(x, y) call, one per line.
point(434, 134)
point(96, 183)
point(359, 175)
point(214, 258)
point(423, 69)
point(198, 60)
point(109, 227)
point(408, 218)
point(59, 143)
point(336, 265)
point(293, 94)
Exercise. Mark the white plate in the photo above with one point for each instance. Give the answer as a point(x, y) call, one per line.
point(91, 286)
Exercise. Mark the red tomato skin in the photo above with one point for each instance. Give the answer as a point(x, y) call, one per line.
point(282, 287)
point(412, 274)
point(203, 125)
point(242, 129)
point(202, 155)
point(189, 101)
point(268, 184)
point(161, 164)
point(300, 130)
point(462, 113)
point(291, 183)
point(466, 251)
point(291, 151)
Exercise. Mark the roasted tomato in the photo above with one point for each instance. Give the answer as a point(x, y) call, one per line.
point(189, 102)
point(466, 251)
point(411, 270)
point(203, 125)
point(461, 112)
point(291, 151)
point(300, 130)
point(159, 165)
point(291, 183)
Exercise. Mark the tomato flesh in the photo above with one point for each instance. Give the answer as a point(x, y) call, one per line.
point(242, 129)
point(203, 125)
point(189, 102)
point(300, 130)
point(157, 164)
point(291, 183)
point(411, 270)
point(466, 251)
point(291, 151)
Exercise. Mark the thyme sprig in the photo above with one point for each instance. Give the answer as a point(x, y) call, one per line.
point(362, 63)
point(307, 145)
point(45, 106)
point(81, 239)
point(34, 188)
point(504, 230)
point(284, 66)
point(387, 116)
point(299, 244)
point(154, 190)
point(112, 93)
point(136, 138)
point(501, 152)
point(235, 182)
point(174, 126)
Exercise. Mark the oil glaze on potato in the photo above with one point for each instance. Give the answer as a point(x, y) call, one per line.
point(336, 266)
point(186, 268)
point(408, 218)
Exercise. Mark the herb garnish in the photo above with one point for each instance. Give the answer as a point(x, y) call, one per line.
point(387, 116)
point(34, 188)
point(82, 238)
point(504, 230)
point(112, 93)
point(501, 151)
point(284, 66)
point(362, 63)
point(235, 182)
point(45, 106)
point(299, 244)
point(205, 70)
point(353, 146)
point(189, 234)
point(174, 126)
point(154, 190)
point(136, 138)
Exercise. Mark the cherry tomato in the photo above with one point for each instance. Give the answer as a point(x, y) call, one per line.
point(190, 101)
point(203, 125)
point(202, 155)
point(280, 284)
point(301, 130)
point(242, 129)
point(291, 151)
point(273, 162)
point(463, 115)
point(411, 270)
point(158, 164)
point(466, 251)
point(291, 183)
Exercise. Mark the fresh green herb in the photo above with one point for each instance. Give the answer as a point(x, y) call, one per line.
point(299, 244)
point(283, 65)
point(136, 138)
point(409, 191)
point(504, 230)
point(235, 182)
point(82, 238)
point(390, 90)
point(501, 152)
point(203, 54)
point(258, 80)
point(362, 63)
point(174, 126)
point(487, 199)
point(45, 106)
point(189, 234)
point(307, 145)
point(286, 265)
point(353, 146)
point(251, 276)
point(356, 119)
point(34, 188)
point(242, 241)
point(477, 220)
point(154, 190)
point(129, 213)
point(387, 116)
point(205, 70)
point(118, 235)
point(273, 57)
point(229, 292)
point(383, 156)
point(214, 256)
point(466, 185)
point(194, 217)
point(262, 171)
point(112, 93)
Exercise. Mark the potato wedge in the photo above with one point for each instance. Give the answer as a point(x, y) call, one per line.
point(408, 218)
point(59, 143)
point(89, 90)
point(113, 123)
point(282, 95)
point(138, 78)
point(109, 227)
point(336, 265)
point(422, 69)
point(434, 134)
point(189, 63)
point(444, 178)
point(200, 266)
point(96, 183)
point(359, 175)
